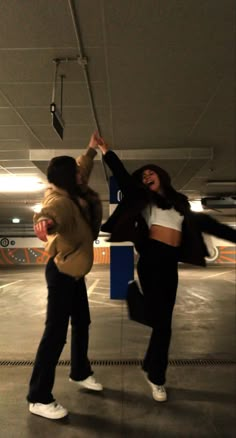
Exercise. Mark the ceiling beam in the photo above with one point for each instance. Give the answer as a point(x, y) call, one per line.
point(131, 154)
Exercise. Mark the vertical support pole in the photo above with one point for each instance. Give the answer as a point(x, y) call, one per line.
point(121, 254)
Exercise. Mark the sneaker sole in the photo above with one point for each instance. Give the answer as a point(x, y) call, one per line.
point(81, 386)
point(159, 400)
point(59, 417)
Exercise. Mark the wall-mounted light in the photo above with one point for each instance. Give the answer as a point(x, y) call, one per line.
point(20, 184)
point(15, 220)
point(196, 205)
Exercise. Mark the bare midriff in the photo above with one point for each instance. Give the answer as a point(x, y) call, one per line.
point(166, 235)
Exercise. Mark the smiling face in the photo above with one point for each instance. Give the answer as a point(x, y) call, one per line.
point(152, 180)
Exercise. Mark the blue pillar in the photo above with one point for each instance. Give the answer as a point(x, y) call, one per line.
point(121, 254)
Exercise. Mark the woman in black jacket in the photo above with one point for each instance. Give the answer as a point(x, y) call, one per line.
point(158, 220)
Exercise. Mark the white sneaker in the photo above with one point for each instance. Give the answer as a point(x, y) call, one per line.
point(89, 383)
point(158, 392)
point(53, 410)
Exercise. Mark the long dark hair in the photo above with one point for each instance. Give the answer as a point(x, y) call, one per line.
point(62, 171)
point(170, 197)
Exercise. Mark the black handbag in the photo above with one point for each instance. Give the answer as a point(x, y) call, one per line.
point(136, 304)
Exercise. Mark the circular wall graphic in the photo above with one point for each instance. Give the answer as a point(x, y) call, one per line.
point(4, 242)
point(214, 254)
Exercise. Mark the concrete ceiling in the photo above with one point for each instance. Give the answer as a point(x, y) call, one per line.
point(159, 84)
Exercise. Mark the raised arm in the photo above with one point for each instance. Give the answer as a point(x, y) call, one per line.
point(209, 225)
point(85, 161)
point(122, 176)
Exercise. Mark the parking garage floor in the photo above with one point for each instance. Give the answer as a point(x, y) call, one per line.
point(201, 379)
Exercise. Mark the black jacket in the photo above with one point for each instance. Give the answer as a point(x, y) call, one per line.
point(127, 223)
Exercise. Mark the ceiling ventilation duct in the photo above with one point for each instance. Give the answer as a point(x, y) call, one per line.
point(219, 202)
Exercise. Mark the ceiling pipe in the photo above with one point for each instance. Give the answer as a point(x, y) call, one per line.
point(83, 64)
point(82, 60)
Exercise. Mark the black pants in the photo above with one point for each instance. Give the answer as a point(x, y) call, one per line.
point(158, 276)
point(67, 298)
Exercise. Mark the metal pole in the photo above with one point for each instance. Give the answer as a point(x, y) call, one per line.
point(55, 81)
point(62, 83)
point(85, 70)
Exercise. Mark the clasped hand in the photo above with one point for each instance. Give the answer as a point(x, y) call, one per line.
point(97, 141)
point(41, 228)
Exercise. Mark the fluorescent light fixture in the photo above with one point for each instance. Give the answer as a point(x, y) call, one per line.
point(20, 184)
point(196, 205)
point(15, 220)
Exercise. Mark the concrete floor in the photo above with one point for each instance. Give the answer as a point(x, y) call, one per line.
point(201, 400)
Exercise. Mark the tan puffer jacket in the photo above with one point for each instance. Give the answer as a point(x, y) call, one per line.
point(70, 241)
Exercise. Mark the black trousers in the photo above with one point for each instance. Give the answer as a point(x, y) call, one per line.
point(158, 275)
point(67, 298)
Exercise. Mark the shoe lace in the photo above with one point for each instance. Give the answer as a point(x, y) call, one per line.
point(55, 405)
point(161, 388)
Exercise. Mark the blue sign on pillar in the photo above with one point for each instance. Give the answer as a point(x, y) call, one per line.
point(121, 254)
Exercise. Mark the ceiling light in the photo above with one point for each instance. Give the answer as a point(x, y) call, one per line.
point(17, 184)
point(196, 205)
point(37, 208)
point(15, 220)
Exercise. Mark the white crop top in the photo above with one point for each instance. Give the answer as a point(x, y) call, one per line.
point(166, 218)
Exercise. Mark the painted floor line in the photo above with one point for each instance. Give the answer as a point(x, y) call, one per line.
point(100, 287)
point(217, 275)
point(198, 296)
point(9, 284)
point(102, 303)
point(92, 287)
point(100, 294)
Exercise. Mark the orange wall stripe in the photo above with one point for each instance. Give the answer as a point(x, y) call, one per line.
point(9, 262)
point(227, 258)
point(26, 252)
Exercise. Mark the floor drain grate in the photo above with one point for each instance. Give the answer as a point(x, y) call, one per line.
point(128, 362)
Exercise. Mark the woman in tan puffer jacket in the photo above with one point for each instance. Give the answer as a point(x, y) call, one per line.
point(68, 222)
point(74, 214)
